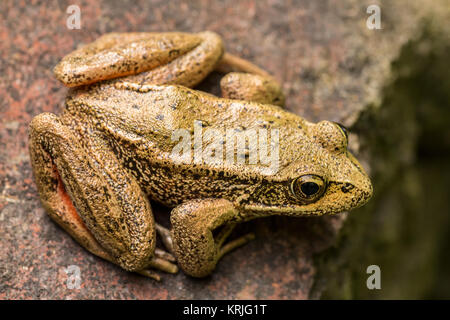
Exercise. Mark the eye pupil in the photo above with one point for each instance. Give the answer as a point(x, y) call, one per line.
point(309, 188)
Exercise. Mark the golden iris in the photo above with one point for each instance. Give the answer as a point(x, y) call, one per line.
point(309, 187)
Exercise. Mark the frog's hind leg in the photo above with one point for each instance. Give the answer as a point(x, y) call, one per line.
point(92, 197)
point(188, 69)
point(246, 81)
point(143, 58)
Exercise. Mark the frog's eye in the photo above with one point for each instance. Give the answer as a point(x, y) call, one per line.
point(308, 188)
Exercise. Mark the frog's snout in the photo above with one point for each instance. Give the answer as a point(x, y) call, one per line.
point(364, 190)
point(361, 181)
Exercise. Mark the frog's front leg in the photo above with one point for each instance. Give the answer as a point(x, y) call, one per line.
point(87, 191)
point(193, 223)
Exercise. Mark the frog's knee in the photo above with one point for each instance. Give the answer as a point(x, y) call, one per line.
point(213, 38)
point(43, 122)
point(252, 87)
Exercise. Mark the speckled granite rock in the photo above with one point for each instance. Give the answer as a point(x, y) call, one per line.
point(331, 66)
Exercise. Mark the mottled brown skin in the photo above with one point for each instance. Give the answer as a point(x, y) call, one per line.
point(98, 163)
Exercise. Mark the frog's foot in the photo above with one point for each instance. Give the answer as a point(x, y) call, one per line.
point(162, 261)
point(229, 246)
point(196, 248)
point(245, 81)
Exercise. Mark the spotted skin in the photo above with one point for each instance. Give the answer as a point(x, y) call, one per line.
point(111, 150)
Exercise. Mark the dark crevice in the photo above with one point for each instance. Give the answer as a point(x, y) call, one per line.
point(405, 227)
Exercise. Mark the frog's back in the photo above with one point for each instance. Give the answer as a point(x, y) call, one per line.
point(155, 113)
point(141, 125)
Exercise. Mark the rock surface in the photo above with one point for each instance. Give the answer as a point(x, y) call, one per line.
point(331, 66)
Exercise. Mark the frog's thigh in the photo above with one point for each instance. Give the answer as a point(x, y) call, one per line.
point(91, 196)
point(252, 87)
point(154, 58)
point(193, 222)
point(54, 197)
point(188, 69)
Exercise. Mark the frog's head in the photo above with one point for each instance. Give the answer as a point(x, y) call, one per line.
point(324, 178)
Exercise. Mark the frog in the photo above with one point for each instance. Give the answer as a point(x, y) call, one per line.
point(109, 154)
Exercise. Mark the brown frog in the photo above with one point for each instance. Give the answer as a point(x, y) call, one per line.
point(134, 130)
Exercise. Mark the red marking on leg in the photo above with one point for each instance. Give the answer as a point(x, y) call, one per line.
point(70, 208)
point(72, 221)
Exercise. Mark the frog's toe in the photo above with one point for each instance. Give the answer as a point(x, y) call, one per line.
point(161, 261)
point(149, 274)
point(162, 264)
point(166, 237)
point(236, 243)
point(164, 255)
